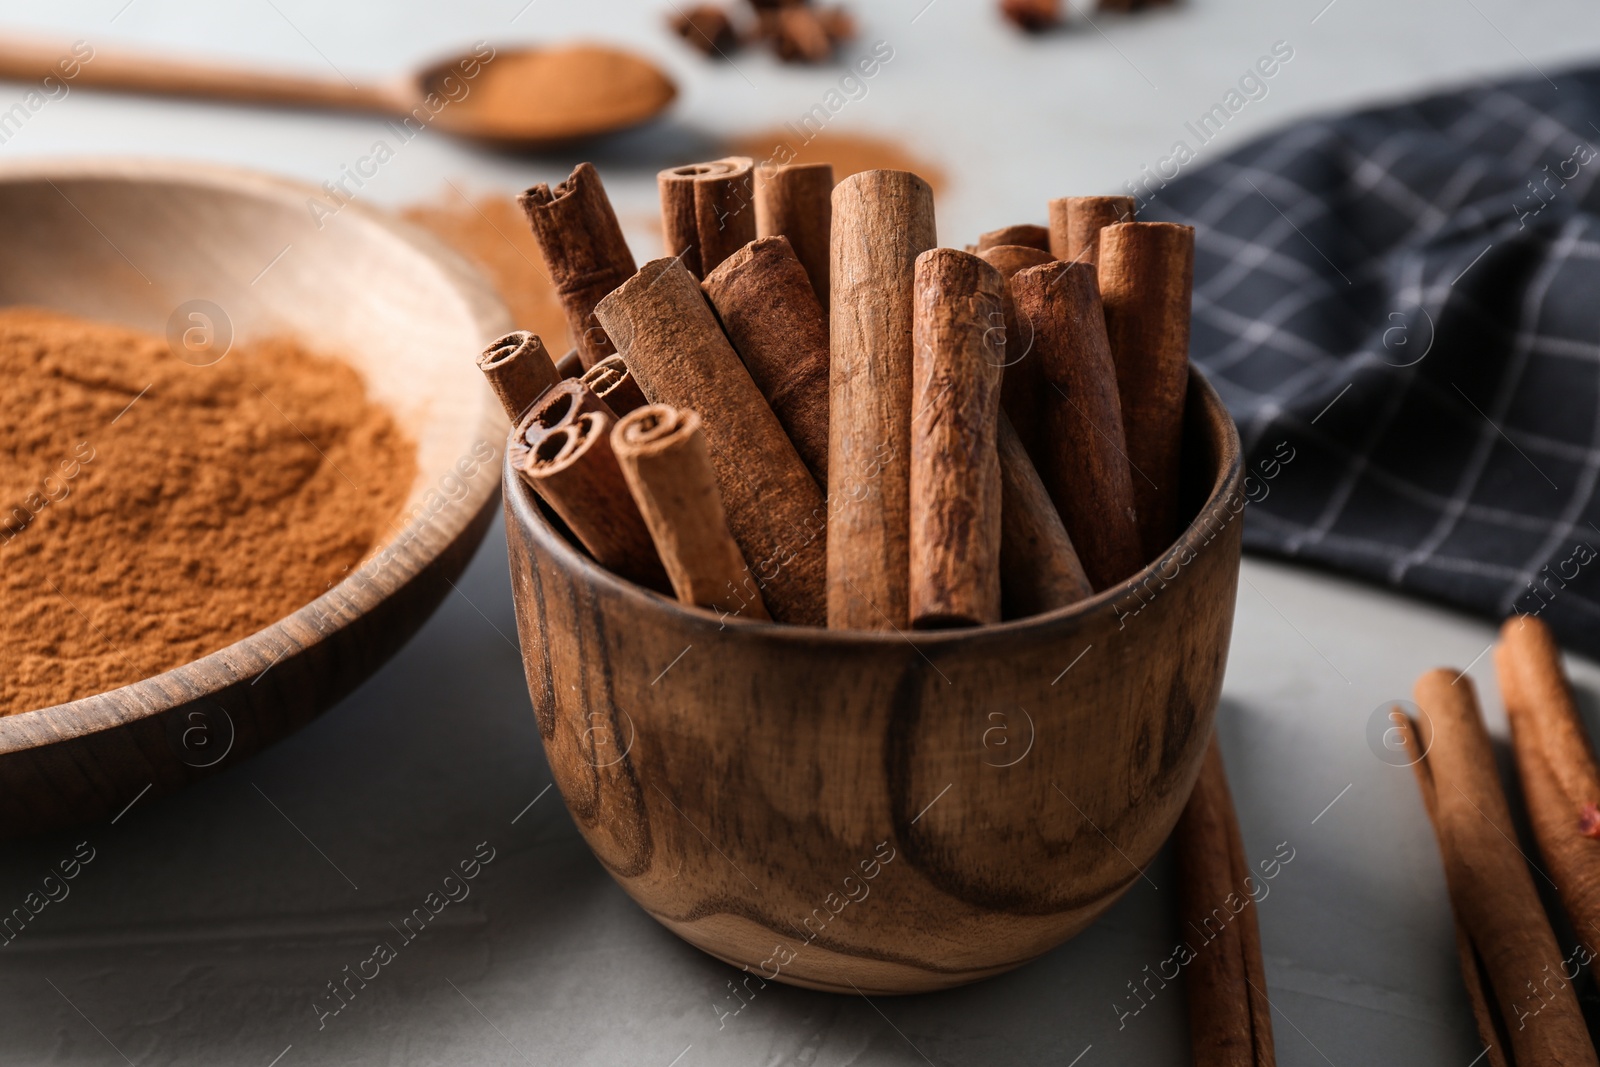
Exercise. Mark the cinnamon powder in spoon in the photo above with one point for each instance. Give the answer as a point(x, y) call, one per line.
point(152, 511)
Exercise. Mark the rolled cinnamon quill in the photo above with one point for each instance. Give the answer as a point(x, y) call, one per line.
point(1025, 235)
point(1039, 569)
point(1146, 273)
point(958, 345)
point(663, 456)
point(1491, 891)
point(519, 370)
point(677, 352)
point(611, 381)
point(1084, 456)
point(575, 471)
point(707, 211)
point(1023, 390)
point(1556, 763)
point(1076, 222)
point(796, 201)
point(772, 318)
point(558, 407)
point(584, 249)
point(1230, 1018)
point(882, 221)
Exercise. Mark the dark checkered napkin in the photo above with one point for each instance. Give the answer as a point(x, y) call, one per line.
point(1407, 301)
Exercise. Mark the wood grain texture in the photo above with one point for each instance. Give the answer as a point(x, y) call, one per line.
point(673, 344)
point(958, 346)
point(1146, 274)
point(1024, 235)
point(664, 458)
point(584, 248)
point(1491, 889)
point(1039, 569)
point(519, 370)
point(772, 318)
point(1076, 222)
point(743, 790)
point(612, 382)
point(882, 221)
point(1023, 390)
point(195, 228)
point(1084, 460)
point(1230, 1023)
point(796, 201)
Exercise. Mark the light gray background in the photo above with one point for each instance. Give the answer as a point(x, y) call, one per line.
point(209, 921)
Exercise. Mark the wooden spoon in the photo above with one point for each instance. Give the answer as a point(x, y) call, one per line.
point(512, 97)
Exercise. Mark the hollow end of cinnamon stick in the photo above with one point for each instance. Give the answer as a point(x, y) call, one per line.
point(518, 369)
point(707, 211)
point(955, 467)
point(664, 459)
point(611, 381)
point(795, 200)
point(1076, 222)
point(1025, 235)
point(557, 407)
point(585, 250)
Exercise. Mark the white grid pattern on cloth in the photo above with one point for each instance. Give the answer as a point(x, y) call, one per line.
point(1311, 241)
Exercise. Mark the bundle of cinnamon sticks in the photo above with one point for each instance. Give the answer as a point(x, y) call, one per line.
point(808, 410)
point(1519, 980)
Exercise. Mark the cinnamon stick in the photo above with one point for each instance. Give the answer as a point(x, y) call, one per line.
point(1084, 457)
point(771, 316)
point(1076, 222)
point(707, 211)
point(955, 467)
point(1146, 273)
point(1491, 890)
point(570, 365)
point(1556, 764)
point(559, 406)
point(584, 249)
point(796, 201)
point(1039, 569)
point(664, 458)
point(575, 471)
point(1022, 393)
point(519, 370)
point(882, 220)
point(677, 353)
point(1025, 235)
point(1230, 1021)
point(611, 381)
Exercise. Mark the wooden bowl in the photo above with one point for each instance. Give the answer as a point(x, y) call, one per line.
point(878, 812)
point(134, 243)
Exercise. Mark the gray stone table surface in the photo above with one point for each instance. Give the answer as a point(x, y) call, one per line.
point(208, 922)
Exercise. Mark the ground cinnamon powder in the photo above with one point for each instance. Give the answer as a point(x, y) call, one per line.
point(153, 511)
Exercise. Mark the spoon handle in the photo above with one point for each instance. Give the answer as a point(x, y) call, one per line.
point(111, 69)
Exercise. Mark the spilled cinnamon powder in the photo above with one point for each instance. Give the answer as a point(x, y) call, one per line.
point(153, 511)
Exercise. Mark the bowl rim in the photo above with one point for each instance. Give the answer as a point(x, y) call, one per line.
point(411, 549)
point(520, 504)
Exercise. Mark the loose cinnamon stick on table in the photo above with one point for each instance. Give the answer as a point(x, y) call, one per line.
point(1557, 766)
point(796, 201)
point(707, 211)
point(611, 381)
point(677, 352)
point(772, 317)
point(576, 472)
point(1076, 222)
point(1025, 235)
point(1023, 391)
point(1146, 273)
point(1084, 455)
point(663, 456)
point(882, 220)
point(584, 249)
point(955, 467)
point(558, 407)
point(1491, 891)
point(1039, 569)
point(519, 370)
point(1230, 1018)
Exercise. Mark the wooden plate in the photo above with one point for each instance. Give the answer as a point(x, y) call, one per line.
point(144, 244)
